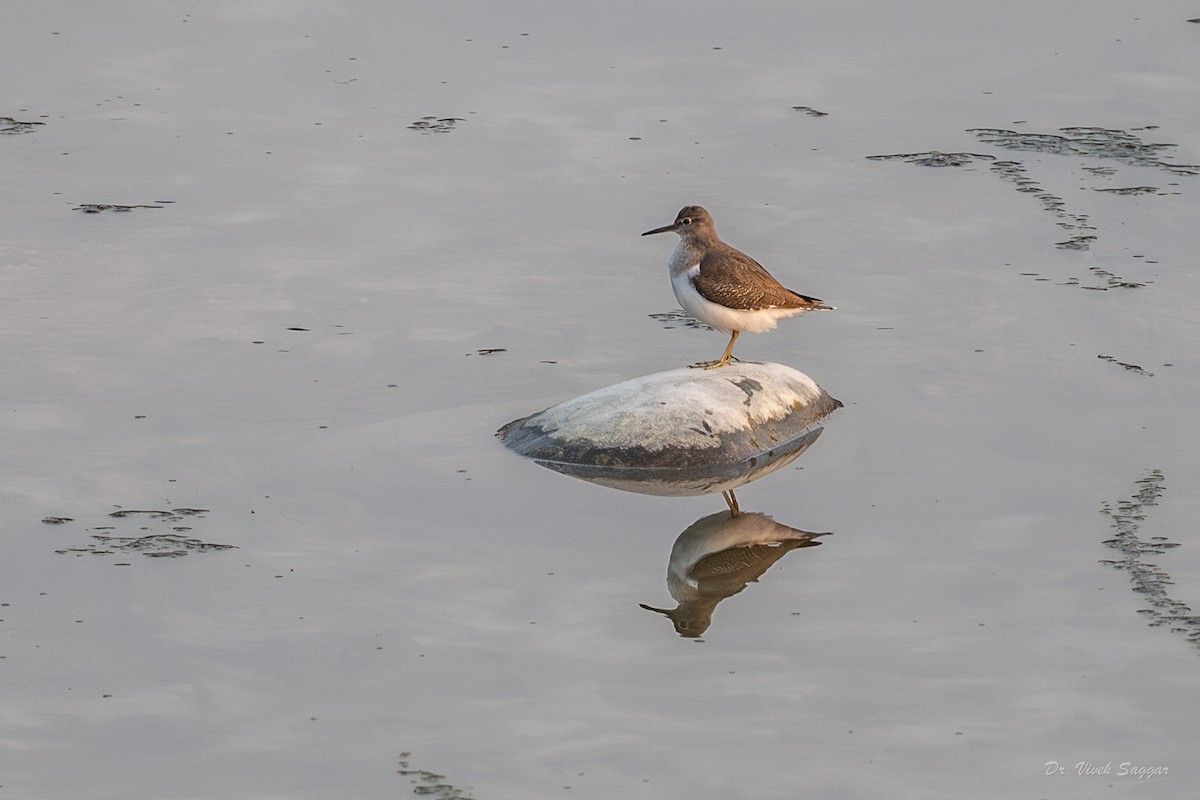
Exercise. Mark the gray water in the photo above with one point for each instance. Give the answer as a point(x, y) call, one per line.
point(302, 340)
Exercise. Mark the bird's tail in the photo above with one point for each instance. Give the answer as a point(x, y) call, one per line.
point(814, 303)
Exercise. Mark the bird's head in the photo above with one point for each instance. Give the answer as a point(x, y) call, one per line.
point(689, 221)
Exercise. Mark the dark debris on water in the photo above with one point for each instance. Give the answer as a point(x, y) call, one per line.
point(1130, 190)
point(173, 515)
point(170, 543)
point(429, 784)
point(679, 317)
point(97, 208)
point(1130, 367)
point(1118, 145)
point(1110, 280)
point(155, 545)
point(1149, 580)
point(435, 124)
point(15, 127)
point(1106, 144)
point(935, 158)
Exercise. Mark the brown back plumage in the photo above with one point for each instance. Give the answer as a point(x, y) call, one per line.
point(733, 279)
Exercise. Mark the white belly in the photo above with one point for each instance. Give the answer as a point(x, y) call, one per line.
point(720, 317)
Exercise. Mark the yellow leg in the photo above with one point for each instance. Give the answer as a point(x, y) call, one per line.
point(724, 359)
point(728, 352)
point(731, 501)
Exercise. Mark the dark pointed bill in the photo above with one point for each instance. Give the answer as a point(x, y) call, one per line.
point(663, 229)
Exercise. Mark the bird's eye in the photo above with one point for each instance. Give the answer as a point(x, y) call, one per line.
point(685, 221)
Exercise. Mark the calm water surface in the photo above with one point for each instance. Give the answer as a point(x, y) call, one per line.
point(302, 349)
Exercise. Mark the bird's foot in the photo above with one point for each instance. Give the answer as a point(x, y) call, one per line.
point(713, 364)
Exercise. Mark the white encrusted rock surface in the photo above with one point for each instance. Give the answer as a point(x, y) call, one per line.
point(684, 431)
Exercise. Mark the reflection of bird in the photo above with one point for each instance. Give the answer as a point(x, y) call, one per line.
point(723, 287)
point(717, 557)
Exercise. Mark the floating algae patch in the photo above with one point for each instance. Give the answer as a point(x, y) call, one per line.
point(812, 112)
point(99, 208)
point(1131, 190)
point(1108, 280)
point(1073, 223)
point(170, 541)
point(934, 158)
point(679, 318)
point(1112, 146)
point(1014, 172)
point(429, 784)
point(1148, 580)
point(1118, 145)
point(435, 124)
point(1131, 367)
point(155, 545)
point(174, 514)
point(15, 127)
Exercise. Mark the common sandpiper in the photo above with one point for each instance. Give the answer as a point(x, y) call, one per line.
point(722, 286)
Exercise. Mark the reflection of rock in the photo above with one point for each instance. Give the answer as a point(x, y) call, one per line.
point(680, 432)
point(716, 557)
point(690, 480)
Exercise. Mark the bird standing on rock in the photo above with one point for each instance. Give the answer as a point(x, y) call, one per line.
point(723, 287)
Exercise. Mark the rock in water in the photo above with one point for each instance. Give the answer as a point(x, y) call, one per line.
point(680, 432)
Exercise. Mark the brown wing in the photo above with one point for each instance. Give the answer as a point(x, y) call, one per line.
point(733, 279)
point(747, 562)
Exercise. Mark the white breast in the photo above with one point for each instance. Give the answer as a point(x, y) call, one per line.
point(720, 317)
